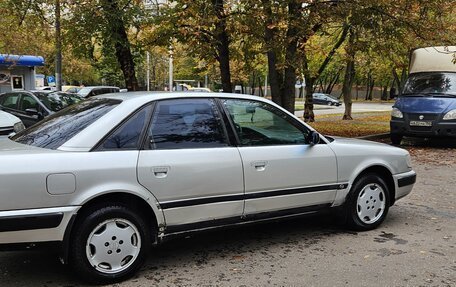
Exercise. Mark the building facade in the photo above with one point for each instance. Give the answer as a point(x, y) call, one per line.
point(17, 72)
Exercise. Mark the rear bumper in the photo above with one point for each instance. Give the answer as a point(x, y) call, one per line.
point(438, 129)
point(35, 225)
point(404, 183)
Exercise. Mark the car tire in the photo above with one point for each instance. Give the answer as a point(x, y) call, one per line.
point(329, 103)
point(396, 139)
point(109, 243)
point(368, 203)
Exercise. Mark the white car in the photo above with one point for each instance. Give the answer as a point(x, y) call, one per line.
point(107, 178)
point(9, 124)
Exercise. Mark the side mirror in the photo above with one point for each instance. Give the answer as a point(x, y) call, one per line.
point(33, 112)
point(314, 138)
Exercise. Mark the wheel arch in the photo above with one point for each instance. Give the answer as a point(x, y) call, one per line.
point(136, 202)
point(385, 173)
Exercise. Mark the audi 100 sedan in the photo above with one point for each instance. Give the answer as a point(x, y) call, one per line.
point(107, 178)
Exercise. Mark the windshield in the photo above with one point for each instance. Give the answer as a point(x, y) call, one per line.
point(58, 128)
point(58, 100)
point(425, 84)
point(84, 91)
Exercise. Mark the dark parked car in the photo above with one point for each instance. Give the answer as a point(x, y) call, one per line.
point(88, 92)
point(325, 99)
point(33, 106)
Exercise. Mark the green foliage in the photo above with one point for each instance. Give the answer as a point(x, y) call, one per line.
point(385, 30)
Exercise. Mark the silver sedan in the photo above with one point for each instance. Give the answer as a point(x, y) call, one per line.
point(109, 177)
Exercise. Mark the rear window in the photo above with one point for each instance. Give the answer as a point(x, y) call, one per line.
point(60, 127)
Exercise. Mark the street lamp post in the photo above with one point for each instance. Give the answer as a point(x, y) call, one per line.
point(148, 70)
point(58, 48)
point(170, 68)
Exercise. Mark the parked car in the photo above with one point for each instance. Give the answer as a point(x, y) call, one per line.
point(33, 106)
point(71, 89)
point(427, 106)
point(46, 88)
point(9, 124)
point(114, 174)
point(325, 99)
point(200, 89)
point(87, 92)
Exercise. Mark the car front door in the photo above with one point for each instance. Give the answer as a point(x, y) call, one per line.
point(29, 110)
point(282, 172)
point(190, 166)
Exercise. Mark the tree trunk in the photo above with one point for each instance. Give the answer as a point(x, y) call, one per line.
point(371, 89)
point(119, 38)
point(309, 115)
point(260, 87)
point(288, 96)
point(357, 89)
point(269, 38)
point(252, 92)
point(366, 96)
point(308, 107)
point(384, 96)
point(222, 46)
point(333, 82)
point(400, 81)
point(320, 88)
point(349, 76)
point(347, 88)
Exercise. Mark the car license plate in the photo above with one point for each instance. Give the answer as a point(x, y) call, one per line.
point(421, 123)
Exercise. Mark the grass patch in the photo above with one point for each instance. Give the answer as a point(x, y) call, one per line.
point(363, 124)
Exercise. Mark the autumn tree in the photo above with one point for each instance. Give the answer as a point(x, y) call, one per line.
point(106, 26)
point(204, 26)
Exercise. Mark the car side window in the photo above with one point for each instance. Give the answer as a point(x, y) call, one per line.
point(10, 101)
point(28, 102)
point(186, 123)
point(261, 124)
point(128, 135)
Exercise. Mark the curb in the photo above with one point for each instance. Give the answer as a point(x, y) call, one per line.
point(374, 137)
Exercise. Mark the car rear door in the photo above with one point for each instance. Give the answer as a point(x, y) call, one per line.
point(10, 102)
point(189, 165)
point(283, 174)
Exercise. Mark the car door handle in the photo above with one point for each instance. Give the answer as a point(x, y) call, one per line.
point(161, 171)
point(259, 165)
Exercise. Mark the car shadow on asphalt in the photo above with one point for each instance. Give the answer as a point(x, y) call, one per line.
point(199, 250)
point(233, 242)
point(27, 268)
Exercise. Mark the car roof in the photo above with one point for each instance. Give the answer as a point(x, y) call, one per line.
point(40, 91)
point(100, 87)
point(145, 97)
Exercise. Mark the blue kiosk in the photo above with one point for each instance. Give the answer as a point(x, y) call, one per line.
point(17, 72)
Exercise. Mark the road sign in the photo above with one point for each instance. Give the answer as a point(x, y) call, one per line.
point(50, 79)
